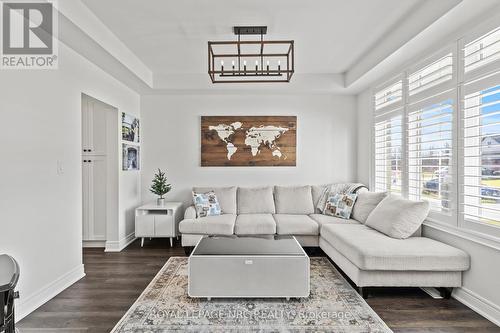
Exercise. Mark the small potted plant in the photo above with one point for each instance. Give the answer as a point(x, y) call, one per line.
point(160, 187)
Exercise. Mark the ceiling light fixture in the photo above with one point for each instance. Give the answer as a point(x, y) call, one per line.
point(268, 56)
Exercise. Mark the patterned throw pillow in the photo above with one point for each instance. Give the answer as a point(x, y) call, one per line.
point(340, 205)
point(206, 204)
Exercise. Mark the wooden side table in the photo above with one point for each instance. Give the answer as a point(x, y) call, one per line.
point(156, 221)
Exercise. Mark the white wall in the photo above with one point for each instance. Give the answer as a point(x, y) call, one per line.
point(481, 286)
point(326, 140)
point(364, 126)
point(41, 224)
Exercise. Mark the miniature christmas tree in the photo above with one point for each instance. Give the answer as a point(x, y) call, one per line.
point(159, 185)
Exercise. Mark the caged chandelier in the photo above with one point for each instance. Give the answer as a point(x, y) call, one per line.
point(250, 61)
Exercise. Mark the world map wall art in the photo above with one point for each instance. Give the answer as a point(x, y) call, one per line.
point(248, 140)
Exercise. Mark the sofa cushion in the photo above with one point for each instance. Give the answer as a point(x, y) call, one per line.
point(369, 249)
point(225, 195)
point(255, 224)
point(325, 219)
point(255, 200)
point(293, 200)
point(210, 225)
point(366, 203)
point(397, 217)
point(287, 224)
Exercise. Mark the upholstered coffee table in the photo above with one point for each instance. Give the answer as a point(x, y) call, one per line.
point(232, 266)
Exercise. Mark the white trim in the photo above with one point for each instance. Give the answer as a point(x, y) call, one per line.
point(475, 27)
point(470, 235)
point(86, 20)
point(93, 243)
point(477, 303)
point(117, 246)
point(28, 304)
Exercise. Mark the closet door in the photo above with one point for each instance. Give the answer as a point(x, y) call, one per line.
point(86, 198)
point(94, 206)
point(93, 127)
point(86, 125)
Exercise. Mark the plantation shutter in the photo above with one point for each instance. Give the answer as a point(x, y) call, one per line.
point(482, 51)
point(388, 134)
point(388, 155)
point(392, 94)
point(431, 75)
point(481, 151)
point(430, 152)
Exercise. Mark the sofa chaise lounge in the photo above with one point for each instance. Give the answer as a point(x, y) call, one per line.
point(369, 257)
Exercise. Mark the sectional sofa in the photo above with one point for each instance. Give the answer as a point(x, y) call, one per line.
point(369, 257)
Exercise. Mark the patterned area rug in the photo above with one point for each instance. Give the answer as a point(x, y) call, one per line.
point(333, 306)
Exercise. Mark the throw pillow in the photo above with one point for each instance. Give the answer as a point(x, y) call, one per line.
point(333, 189)
point(226, 196)
point(340, 205)
point(206, 204)
point(365, 204)
point(397, 217)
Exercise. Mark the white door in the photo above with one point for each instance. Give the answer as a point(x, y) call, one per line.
point(94, 169)
point(93, 126)
point(86, 198)
point(94, 205)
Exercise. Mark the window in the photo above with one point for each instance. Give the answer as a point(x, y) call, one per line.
point(388, 131)
point(437, 72)
point(430, 165)
point(389, 95)
point(482, 51)
point(437, 133)
point(388, 155)
point(481, 128)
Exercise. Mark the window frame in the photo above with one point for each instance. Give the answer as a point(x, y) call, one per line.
point(454, 88)
point(440, 87)
point(385, 113)
point(467, 88)
point(446, 95)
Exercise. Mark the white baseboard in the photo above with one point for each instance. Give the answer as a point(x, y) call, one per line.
point(117, 246)
point(27, 304)
point(477, 303)
point(94, 243)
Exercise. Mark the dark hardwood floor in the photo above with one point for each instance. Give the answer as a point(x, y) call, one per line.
point(115, 280)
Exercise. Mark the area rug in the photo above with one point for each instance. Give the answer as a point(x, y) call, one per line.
point(333, 306)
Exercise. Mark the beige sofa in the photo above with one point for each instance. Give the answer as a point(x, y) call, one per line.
point(368, 257)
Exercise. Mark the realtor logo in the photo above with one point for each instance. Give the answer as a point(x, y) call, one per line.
point(28, 40)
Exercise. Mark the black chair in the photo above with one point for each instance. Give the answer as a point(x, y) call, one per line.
point(9, 275)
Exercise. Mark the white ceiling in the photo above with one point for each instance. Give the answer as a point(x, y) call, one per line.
point(170, 37)
point(342, 46)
